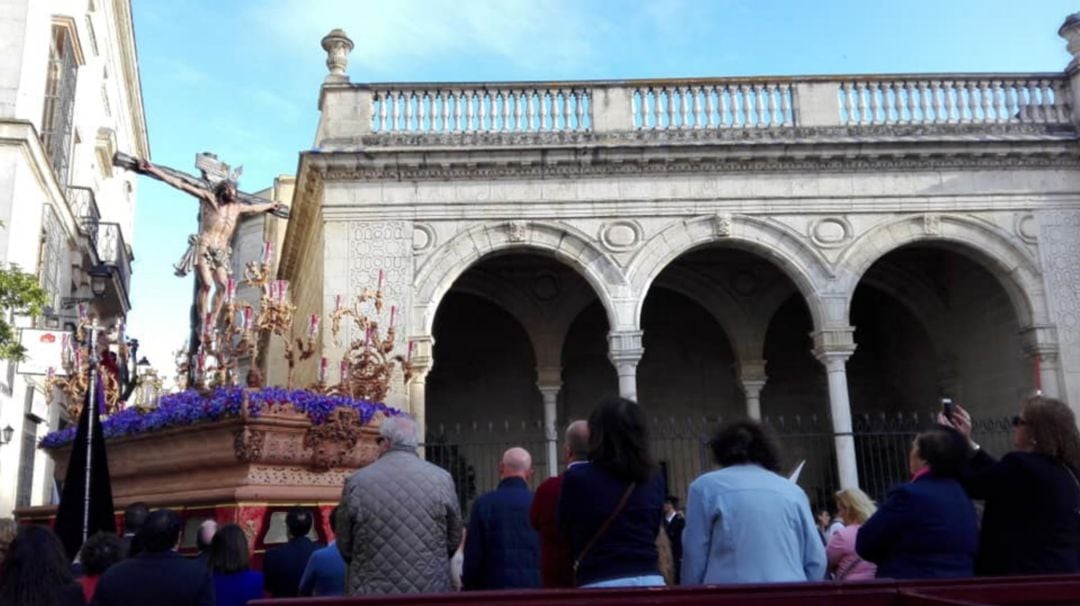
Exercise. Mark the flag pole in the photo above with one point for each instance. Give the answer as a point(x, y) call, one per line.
point(91, 402)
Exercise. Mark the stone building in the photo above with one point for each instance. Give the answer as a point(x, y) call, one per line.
point(713, 247)
point(70, 97)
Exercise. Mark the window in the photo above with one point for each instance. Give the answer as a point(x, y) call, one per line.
point(51, 255)
point(57, 123)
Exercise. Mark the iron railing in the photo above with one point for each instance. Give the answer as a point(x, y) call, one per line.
point(108, 242)
point(471, 451)
point(84, 208)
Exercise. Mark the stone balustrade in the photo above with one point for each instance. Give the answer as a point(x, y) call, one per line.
point(702, 104)
point(480, 108)
point(978, 99)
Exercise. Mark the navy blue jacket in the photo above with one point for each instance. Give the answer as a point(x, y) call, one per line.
point(628, 547)
point(1030, 524)
point(162, 579)
point(284, 565)
point(926, 529)
point(501, 550)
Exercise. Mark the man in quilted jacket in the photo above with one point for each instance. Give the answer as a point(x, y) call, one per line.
point(399, 519)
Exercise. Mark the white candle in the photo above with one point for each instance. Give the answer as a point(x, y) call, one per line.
point(380, 280)
point(313, 327)
point(247, 318)
point(268, 252)
point(230, 290)
point(322, 370)
point(393, 313)
point(283, 290)
point(344, 370)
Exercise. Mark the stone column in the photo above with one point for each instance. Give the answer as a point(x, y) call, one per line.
point(422, 363)
point(1041, 349)
point(833, 348)
point(625, 351)
point(549, 381)
point(752, 378)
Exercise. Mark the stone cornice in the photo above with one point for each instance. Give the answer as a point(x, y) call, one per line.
point(22, 133)
point(855, 134)
point(795, 149)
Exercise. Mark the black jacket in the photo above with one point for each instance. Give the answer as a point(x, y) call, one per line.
point(284, 565)
point(161, 579)
point(501, 550)
point(1031, 523)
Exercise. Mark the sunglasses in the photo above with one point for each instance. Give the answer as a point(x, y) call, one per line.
point(1017, 421)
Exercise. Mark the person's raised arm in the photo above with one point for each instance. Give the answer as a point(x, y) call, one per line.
point(250, 209)
point(150, 169)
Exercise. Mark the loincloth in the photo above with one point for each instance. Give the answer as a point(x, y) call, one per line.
point(216, 257)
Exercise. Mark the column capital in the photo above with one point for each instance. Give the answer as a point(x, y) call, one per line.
point(834, 344)
point(549, 379)
point(752, 370)
point(421, 358)
point(625, 346)
point(1040, 340)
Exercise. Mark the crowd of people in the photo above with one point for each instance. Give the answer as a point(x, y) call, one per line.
point(606, 521)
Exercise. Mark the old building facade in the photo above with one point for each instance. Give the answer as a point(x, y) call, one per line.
point(70, 97)
point(781, 246)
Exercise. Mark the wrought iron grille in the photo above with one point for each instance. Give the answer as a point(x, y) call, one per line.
point(52, 251)
point(471, 451)
point(57, 122)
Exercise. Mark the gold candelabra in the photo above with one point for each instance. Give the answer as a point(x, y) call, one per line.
point(76, 362)
point(368, 363)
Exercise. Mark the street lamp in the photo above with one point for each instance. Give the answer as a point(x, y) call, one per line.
point(99, 279)
point(6, 434)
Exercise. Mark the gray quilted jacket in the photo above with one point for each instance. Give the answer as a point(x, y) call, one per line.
point(398, 525)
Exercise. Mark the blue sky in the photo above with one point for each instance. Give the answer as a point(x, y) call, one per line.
point(241, 78)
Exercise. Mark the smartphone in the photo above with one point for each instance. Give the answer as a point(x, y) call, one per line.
point(947, 407)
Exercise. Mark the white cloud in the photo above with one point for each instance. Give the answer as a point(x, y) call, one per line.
point(392, 35)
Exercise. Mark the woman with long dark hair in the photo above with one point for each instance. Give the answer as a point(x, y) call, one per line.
point(745, 523)
point(610, 508)
point(36, 571)
point(1031, 523)
point(926, 528)
point(234, 581)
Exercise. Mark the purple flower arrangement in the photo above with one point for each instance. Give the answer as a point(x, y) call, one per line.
point(191, 407)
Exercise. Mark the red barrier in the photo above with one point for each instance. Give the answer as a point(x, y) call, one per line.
point(1046, 591)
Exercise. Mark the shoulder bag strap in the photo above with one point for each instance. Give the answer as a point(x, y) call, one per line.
point(603, 528)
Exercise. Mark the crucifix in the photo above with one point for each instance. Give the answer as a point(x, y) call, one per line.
point(209, 252)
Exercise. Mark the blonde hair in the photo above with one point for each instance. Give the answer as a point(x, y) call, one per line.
point(856, 505)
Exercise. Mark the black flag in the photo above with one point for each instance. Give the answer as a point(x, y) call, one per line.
point(69, 516)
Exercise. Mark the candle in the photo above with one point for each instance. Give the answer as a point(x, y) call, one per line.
point(207, 326)
point(344, 370)
point(393, 313)
point(337, 302)
point(412, 347)
point(313, 327)
point(367, 335)
point(78, 360)
point(322, 370)
point(268, 252)
point(283, 289)
point(230, 290)
point(380, 280)
point(247, 318)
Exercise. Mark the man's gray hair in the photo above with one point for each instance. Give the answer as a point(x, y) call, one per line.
point(401, 430)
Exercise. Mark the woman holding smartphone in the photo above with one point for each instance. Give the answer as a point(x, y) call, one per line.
point(1031, 524)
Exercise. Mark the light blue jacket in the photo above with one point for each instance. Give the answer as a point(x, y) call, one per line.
point(745, 524)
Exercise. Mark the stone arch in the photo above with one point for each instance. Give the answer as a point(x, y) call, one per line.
point(771, 240)
point(562, 242)
point(1015, 268)
point(547, 332)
